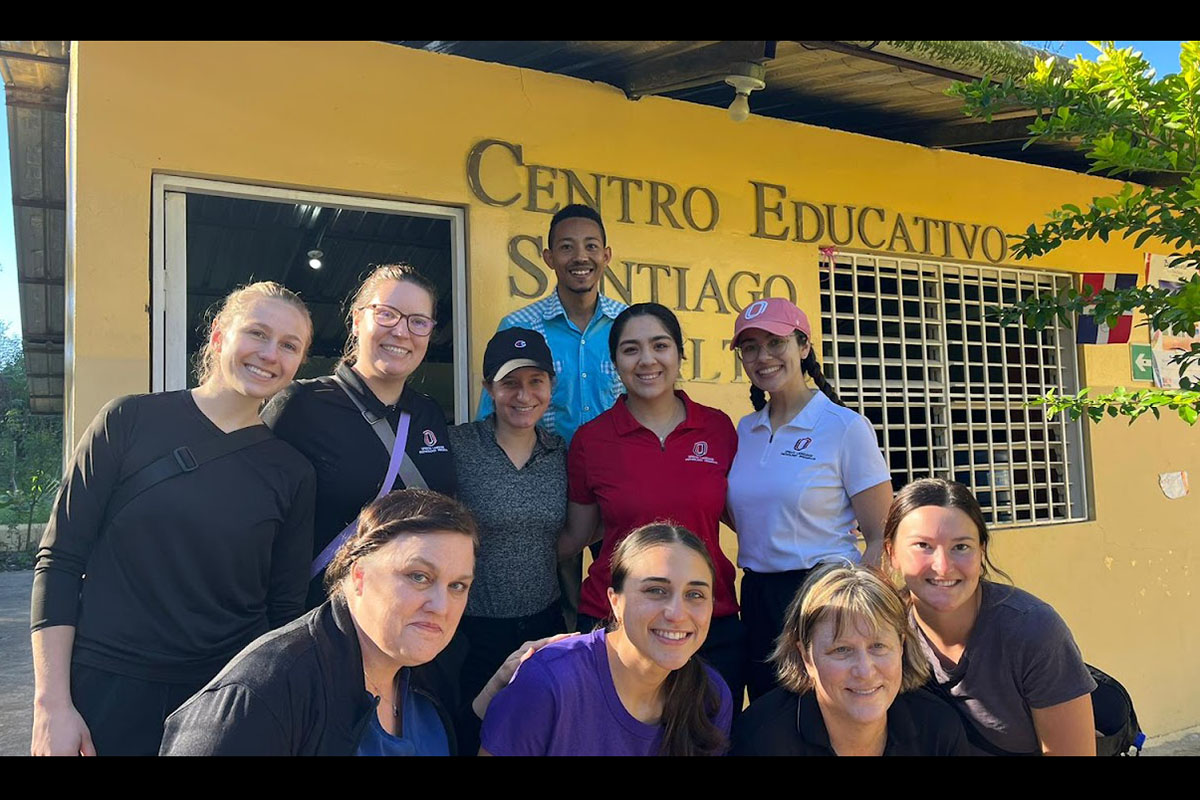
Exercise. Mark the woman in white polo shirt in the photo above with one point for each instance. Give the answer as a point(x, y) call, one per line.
point(807, 468)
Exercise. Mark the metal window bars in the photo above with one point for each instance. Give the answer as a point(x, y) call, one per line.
point(906, 343)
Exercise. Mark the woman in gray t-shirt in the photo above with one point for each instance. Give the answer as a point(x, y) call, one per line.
point(1004, 658)
point(512, 475)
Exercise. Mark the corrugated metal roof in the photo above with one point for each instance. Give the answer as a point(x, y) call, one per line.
point(893, 90)
point(35, 87)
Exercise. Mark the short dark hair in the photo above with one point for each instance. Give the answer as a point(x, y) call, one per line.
point(656, 310)
point(572, 211)
point(408, 511)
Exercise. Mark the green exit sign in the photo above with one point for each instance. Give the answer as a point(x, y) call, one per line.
point(1141, 361)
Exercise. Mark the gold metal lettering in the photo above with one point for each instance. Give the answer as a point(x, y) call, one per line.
point(474, 164)
point(528, 266)
point(711, 291)
point(900, 230)
point(800, 205)
point(862, 228)
point(761, 210)
point(536, 188)
point(731, 290)
point(625, 183)
point(987, 253)
point(829, 207)
point(713, 205)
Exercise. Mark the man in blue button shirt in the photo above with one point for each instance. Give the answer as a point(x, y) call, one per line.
point(575, 320)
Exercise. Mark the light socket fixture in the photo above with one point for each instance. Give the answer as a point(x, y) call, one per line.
point(744, 77)
point(314, 258)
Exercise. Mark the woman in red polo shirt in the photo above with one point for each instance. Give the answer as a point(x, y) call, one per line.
point(655, 455)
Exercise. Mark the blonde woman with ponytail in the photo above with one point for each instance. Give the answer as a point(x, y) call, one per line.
point(808, 472)
point(183, 531)
point(638, 686)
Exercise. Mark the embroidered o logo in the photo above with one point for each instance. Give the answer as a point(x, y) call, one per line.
point(755, 309)
point(430, 438)
point(700, 449)
point(802, 444)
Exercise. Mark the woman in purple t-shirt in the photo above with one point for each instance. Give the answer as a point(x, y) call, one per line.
point(637, 687)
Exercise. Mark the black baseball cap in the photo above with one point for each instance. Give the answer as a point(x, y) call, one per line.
point(514, 348)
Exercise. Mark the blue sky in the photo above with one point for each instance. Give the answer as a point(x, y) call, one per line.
point(1163, 55)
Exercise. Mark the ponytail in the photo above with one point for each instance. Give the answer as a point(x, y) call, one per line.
point(758, 398)
point(810, 366)
point(688, 729)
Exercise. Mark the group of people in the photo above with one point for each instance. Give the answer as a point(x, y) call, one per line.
point(268, 566)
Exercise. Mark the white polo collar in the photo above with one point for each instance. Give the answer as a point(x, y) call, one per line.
point(806, 419)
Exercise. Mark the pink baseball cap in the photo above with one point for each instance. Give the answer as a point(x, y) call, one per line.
point(773, 315)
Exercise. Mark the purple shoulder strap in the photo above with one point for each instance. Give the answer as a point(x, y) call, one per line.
point(326, 555)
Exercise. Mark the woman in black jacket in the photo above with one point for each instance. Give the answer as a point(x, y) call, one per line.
point(849, 672)
point(336, 681)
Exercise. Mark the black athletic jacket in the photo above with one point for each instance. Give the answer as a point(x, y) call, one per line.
point(295, 691)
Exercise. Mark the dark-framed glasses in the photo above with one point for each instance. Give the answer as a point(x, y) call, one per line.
point(388, 317)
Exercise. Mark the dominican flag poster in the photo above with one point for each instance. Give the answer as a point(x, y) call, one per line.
point(1090, 330)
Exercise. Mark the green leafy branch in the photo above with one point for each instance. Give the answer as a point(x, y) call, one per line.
point(1121, 402)
point(1129, 122)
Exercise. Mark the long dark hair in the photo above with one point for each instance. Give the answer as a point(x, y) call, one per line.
point(688, 729)
point(810, 367)
point(944, 494)
point(656, 310)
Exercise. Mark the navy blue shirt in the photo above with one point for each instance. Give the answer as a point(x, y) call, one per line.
point(421, 729)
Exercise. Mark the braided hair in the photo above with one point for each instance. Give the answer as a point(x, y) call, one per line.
point(810, 367)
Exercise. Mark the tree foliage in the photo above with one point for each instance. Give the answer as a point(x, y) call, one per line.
point(30, 445)
point(1129, 122)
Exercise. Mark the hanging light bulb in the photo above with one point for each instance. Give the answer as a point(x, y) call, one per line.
point(314, 258)
point(744, 78)
point(739, 109)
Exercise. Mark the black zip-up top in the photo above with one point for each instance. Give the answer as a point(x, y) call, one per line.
point(318, 419)
point(297, 691)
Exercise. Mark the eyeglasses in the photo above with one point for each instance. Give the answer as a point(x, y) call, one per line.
point(775, 347)
point(388, 317)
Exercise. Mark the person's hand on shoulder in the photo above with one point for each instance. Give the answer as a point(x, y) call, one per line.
point(509, 668)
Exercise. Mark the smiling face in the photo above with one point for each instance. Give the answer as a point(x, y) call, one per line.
point(771, 361)
point(577, 255)
point(521, 397)
point(665, 605)
point(937, 550)
point(856, 672)
point(259, 350)
point(647, 358)
point(391, 353)
point(408, 596)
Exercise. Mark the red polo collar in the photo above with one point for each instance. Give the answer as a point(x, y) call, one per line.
point(625, 423)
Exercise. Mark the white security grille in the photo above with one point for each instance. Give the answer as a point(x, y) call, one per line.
point(906, 344)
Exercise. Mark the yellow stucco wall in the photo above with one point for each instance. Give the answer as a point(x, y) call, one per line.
point(371, 119)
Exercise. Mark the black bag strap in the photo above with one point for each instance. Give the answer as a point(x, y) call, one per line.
point(410, 474)
point(181, 460)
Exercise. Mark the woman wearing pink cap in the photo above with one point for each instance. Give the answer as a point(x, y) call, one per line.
point(807, 468)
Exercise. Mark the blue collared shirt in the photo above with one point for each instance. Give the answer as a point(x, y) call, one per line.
point(586, 382)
